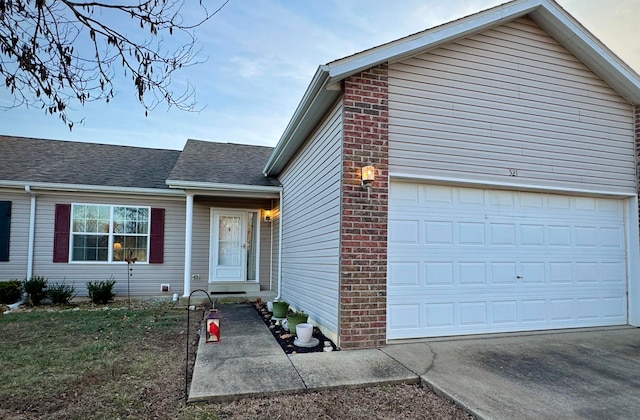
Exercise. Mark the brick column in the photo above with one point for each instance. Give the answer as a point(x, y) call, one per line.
point(363, 262)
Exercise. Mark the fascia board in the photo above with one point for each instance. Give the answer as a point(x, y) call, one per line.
point(431, 38)
point(46, 186)
point(591, 51)
point(306, 116)
point(212, 186)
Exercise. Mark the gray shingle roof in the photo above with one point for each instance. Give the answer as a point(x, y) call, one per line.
point(54, 161)
point(223, 163)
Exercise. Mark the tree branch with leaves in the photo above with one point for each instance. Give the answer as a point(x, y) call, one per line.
point(56, 53)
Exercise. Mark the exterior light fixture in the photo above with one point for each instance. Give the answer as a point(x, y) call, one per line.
point(266, 215)
point(368, 176)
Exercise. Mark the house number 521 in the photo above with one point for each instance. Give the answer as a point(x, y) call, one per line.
point(513, 172)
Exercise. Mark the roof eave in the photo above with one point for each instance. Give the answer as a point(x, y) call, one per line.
point(224, 188)
point(548, 14)
point(429, 39)
point(590, 50)
point(316, 99)
point(63, 187)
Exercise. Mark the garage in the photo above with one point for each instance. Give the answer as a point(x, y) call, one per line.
point(476, 260)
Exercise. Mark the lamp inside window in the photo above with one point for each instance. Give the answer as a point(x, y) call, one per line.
point(368, 176)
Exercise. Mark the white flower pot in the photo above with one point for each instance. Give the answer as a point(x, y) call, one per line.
point(304, 332)
point(270, 305)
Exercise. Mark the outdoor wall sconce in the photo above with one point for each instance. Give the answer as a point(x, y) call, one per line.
point(368, 176)
point(266, 215)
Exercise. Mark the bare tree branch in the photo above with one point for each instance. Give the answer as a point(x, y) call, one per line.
point(54, 53)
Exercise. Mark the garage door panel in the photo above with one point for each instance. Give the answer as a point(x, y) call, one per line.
point(561, 310)
point(612, 272)
point(473, 313)
point(485, 261)
point(440, 315)
point(472, 316)
point(472, 273)
point(404, 274)
point(438, 273)
point(402, 231)
point(467, 272)
point(504, 312)
point(532, 235)
point(438, 233)
point(405, 317)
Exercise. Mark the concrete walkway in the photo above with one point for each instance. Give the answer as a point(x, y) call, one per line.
point(249, 362)
point(592, 373)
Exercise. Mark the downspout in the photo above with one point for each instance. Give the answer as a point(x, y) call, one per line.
point(280, 248)
point(32, 231)
point(271, 251)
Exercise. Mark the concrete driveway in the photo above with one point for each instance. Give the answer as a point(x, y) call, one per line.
point(591, 373)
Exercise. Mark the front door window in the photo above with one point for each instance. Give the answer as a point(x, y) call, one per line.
point(233, 245)
point(230, 244)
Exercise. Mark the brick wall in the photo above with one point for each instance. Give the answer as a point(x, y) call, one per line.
point(363, 263)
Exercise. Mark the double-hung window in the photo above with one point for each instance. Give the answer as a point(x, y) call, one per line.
point(106, 233)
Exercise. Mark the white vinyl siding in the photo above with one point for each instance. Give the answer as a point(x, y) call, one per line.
point(509, 101)
point(16, 267)
point(266, 252)
point(146, 278)
point(311, 224)
point(201, 244)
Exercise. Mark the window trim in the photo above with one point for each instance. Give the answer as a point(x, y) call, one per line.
point(110, 234)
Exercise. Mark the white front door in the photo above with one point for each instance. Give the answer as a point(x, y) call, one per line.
point(228, 246)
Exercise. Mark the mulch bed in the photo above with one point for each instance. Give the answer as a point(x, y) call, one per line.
point(285, 339)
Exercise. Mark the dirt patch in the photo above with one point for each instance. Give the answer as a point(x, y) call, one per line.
point(383, 402)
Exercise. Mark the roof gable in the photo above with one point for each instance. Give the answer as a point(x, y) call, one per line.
point(325, 85)
point(552, 18)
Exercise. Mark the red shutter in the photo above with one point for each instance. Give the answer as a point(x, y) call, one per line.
point(61, 233)
point(5, 229)
point(156, 251)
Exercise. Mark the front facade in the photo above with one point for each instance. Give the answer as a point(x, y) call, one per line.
point(505, 195)
point(79, 218)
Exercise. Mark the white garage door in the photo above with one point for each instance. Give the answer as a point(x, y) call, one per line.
point(468, 261)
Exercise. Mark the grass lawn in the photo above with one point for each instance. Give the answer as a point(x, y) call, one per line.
point(121, 363)
point(93, 363)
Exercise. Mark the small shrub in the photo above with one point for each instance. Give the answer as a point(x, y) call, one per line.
point(101, 291)
point(36, 286)
point(61, 294)
point(10, 291)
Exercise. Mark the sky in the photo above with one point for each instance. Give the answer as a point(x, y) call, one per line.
point(260, 55)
